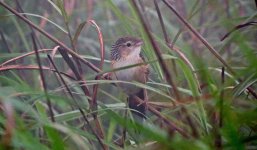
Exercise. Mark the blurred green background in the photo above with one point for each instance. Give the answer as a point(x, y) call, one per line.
point(222, 113)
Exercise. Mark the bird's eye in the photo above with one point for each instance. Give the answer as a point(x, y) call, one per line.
point(128, 44)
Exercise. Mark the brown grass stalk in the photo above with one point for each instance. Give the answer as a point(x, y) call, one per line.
point(172, 125)
point(95, 87)
point(184, 58)
point(90, 65)
point(251, 23)
point(42, 76)
point(206, 43)
point(72, 97)
point(22, 56)
point(31, 67)
point(85, 89)
point(32, 30)
point(157, 51)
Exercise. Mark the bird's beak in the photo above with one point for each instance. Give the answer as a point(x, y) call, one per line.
point(139, 43)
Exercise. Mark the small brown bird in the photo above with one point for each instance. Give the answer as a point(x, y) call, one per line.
point(127, 51)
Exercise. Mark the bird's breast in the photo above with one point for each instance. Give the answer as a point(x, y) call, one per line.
point(129, 74)
point(125, 74)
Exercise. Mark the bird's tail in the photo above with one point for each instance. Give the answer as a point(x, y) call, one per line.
point(138, 111)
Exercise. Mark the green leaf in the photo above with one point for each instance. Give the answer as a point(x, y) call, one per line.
point(241, 87)
point(57, 142)
point(79, 29)
point(55, 7)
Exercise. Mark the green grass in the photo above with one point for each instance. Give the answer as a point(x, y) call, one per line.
point(215, 111)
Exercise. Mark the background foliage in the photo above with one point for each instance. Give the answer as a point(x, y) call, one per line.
point(212, 105)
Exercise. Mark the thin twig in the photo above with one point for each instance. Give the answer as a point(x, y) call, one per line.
point(165, 34)
point(191, 14)
point(92, 66)
point(49, 104)
point(62, 79)
point(75, 71)
point(78, 106)
point(102, 52)
point(71, 41)
point(32, 30)
point(183, 109)
point(171, 45)
point(161, 22)
point(142, 6)
point(218, 141)
point(157, 52)
point(165, 119)
point(95, 87)
point(31, 67)
point(237, 28)
point(192, 29)
point(85, 90)
point(210, 48)
point(22, 56)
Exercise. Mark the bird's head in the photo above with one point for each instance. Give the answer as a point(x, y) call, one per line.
point(126, 47)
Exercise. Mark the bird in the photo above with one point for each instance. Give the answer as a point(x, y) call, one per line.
point(127, 51)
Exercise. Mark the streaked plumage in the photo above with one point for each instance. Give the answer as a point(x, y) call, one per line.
point(127, 51)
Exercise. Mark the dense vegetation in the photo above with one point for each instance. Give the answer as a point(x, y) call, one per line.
point(55, 55)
